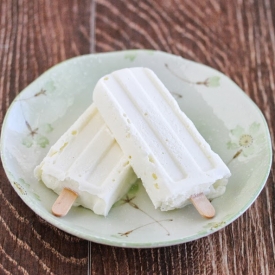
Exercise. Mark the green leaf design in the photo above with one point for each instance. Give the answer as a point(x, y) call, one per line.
point(22, 181)
point(46, 128)
point(238, 131)
point(254, 128)
point(213, 81)
point(42, 141)
point(150, 52)
point(232, 145)
point(27, 141)
point(37, 197)
point(118, 203)
point(49, 86)
point(133, 190)
point(130, 56)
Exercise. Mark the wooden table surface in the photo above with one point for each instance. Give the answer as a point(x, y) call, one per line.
point(236, 37)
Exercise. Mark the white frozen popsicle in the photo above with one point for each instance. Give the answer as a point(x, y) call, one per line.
point(165, 149)
point(86, 165)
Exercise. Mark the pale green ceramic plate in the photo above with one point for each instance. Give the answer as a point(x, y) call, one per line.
point(225, 116)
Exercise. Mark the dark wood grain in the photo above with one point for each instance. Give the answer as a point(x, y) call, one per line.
point(236, 37)
point(35, 35)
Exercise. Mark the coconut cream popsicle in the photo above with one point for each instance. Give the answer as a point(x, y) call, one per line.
point(86, 165)
point(165, 149)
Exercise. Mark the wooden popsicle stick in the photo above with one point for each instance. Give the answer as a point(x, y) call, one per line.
point(203, 205)
point(64, 202)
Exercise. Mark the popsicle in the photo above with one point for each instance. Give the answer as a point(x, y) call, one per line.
point(86, 167)
point(173, 160)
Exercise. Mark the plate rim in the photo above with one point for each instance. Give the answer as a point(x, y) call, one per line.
point(119, 243)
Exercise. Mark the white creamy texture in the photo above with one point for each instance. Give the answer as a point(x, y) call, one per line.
point(162, 144)
point(88, 160)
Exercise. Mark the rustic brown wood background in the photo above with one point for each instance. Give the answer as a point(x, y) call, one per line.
point(236, 37)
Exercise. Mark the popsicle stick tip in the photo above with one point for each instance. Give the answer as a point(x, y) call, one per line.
point(64, 202)
point(203, 205)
